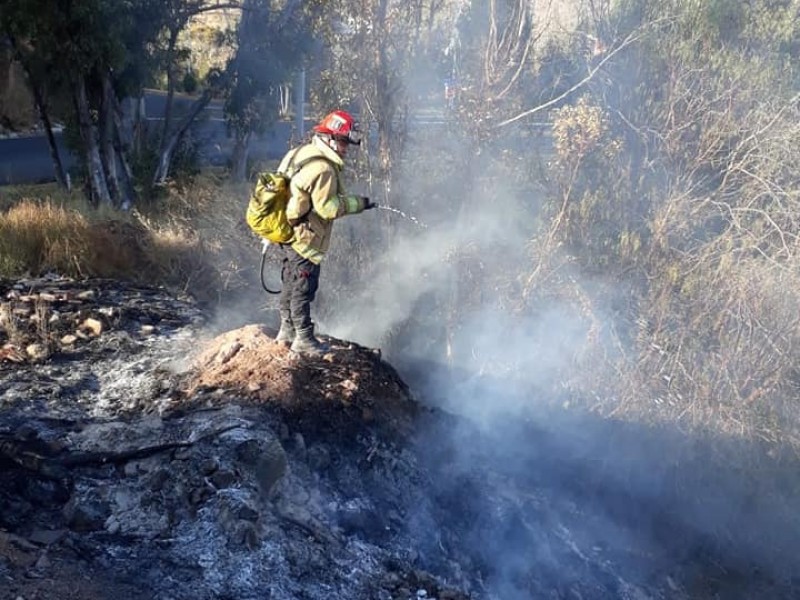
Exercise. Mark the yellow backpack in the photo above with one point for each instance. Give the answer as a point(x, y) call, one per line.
point(266, 210)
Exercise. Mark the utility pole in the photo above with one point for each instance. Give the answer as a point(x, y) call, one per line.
point(300, 103)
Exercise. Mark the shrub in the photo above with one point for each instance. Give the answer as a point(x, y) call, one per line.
point(193, 241)
point(697, 214)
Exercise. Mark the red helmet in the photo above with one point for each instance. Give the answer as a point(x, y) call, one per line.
point(341, 126)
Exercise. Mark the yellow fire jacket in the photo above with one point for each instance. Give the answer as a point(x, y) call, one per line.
point(317, 198)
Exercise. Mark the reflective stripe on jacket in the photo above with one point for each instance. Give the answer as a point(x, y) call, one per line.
point(317, 198)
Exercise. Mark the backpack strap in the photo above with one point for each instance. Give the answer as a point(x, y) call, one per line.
point(295, 169)
point(289, 168)
point(305, 161)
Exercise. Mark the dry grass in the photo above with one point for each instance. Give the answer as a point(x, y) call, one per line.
point(36, 237)
point(203, 224)
point(194, 240)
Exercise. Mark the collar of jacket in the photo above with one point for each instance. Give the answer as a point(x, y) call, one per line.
point(328, 152)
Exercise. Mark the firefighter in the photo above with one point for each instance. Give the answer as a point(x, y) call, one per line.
point(317, 198)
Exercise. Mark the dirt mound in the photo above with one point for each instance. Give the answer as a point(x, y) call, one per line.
point(345, 388)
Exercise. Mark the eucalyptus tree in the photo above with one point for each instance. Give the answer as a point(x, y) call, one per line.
point(77, 44)
point(497, 40)
point(272, 40)
point(374, 48)
point(73, 52)
point(177, 15)
point(28, 28)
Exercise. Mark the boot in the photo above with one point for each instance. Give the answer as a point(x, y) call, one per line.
point(306, 343)
point(286, 333)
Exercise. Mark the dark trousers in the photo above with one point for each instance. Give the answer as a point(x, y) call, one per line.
point(300, 279)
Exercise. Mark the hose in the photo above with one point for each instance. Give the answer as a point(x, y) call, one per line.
point(264, 246)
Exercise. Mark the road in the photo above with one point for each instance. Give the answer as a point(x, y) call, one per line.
point(26, 159)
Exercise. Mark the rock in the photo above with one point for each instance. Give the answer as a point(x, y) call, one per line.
point(125, 500)
point(131, 468)
point(299, 446)
point(246, 535)
point(248, 451)
point(36, 351)
point(86, 514)
point(319, 458)
point(200, 494)
point(209, 466)
point(92, 326)
point(247, 513)
point(157, 479)
point(46, 537)
point(113, 525)
point(69, 339)
point(223, 479)
point(271, 467)
point(183, 453)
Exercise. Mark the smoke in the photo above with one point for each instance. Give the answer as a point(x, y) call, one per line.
point(448, 293)
point(444, 303)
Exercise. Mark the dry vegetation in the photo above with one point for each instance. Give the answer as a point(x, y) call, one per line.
point(194, 241)
point(683, 189)
point(674, 172)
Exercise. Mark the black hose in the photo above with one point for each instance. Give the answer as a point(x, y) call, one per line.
point(261, 270)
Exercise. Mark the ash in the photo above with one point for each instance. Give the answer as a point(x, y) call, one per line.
point(140, 458)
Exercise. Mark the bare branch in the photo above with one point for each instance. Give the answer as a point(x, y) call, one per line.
point(633, 37)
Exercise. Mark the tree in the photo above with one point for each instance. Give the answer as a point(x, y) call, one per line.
point(72, 50)
point(374, 47)
point(675, 172)
point(18, 22)
point(271, 43)
point(177, 15)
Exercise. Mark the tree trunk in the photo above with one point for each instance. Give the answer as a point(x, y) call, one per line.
point(165, 127)
point(41, 107)
point(139, 125)
point(106, 135)
point(241, 152)
point(94, 165)
point(58, 165)
point(122, 149)
point(283, 92)
point(165, 157)
point(120, 143)
point(124, 115)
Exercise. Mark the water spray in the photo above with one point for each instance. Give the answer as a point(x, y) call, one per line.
point(265, 244)
point(402, 214)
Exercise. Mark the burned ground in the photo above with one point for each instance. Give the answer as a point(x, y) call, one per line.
point(339, 393)
point(140, 458)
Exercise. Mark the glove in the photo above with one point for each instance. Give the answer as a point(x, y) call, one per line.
point(368, 204)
